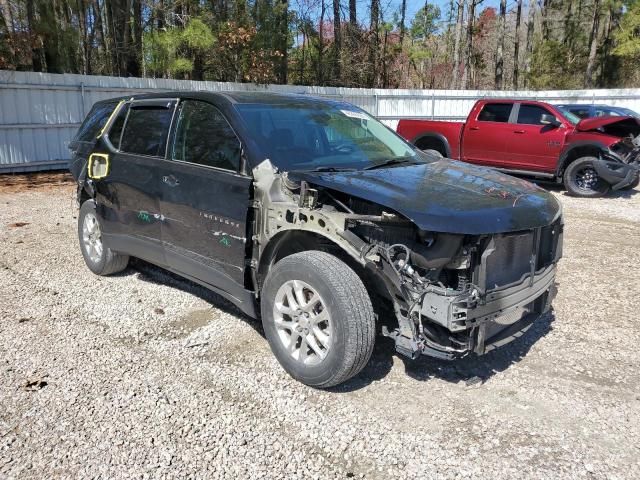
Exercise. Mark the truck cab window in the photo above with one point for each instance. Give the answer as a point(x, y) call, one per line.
point(495, 112)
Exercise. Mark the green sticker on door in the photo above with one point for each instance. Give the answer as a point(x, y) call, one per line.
point(226, 241)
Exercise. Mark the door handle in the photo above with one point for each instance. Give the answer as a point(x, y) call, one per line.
point(518, 131)
point(171, 180)
point(474, 128)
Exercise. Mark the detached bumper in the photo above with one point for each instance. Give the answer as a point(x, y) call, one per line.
point(617, 174)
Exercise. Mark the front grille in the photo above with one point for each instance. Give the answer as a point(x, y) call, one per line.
point(511, 259)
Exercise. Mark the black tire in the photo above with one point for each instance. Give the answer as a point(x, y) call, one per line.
point(633, 184)
point(435, 153)
point(579, 179)
point(352, 334)
point(108, 261)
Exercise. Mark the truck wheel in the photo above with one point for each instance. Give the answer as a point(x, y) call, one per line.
point(100, 259)
point(318, 318)
point(582, 180)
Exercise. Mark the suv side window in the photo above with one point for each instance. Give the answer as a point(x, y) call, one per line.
point(495, 112)
point(203, 136)
point(581, 112)
point(94, 122)
point(531, 114)
point(146, 129)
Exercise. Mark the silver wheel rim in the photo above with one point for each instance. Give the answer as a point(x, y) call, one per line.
point(302, 322)
point(92, 237)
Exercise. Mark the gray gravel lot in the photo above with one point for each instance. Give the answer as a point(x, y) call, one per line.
point(146, 375)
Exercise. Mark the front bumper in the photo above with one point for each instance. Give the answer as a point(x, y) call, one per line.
point(617, 173)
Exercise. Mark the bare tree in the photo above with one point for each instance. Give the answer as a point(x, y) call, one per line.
point(337, 40)
point(499, 71)
point(593, 45)
point(456, 44)
point(516, 46)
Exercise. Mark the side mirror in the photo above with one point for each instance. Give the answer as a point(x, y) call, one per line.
point(547, 119)
point(98, 166)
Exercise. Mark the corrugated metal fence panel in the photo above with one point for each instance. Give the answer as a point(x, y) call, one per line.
point(40, 113)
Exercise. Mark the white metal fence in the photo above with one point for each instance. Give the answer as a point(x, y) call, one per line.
point(39, 113)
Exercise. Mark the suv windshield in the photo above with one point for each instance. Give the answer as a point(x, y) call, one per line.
point(306, 136)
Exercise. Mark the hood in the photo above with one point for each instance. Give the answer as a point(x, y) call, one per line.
point(447, 196)
point(594, 123)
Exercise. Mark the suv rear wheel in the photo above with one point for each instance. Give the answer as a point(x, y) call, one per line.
point(100, 259)
point(318, 318)
point(582, 180)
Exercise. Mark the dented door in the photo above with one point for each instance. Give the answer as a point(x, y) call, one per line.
point(204, 200)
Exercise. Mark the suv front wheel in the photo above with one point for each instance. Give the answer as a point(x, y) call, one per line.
point(100, 259)
point(582, 180)
point(318, 318)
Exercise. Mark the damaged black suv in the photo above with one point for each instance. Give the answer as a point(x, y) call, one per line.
point(314, 216)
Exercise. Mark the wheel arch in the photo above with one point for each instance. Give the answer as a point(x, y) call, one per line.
point(433, 140)
point(579, 150)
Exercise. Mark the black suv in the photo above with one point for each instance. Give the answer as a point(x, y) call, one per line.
point(314, 216)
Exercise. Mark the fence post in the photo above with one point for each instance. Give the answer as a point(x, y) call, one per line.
point(433, 104)
point(82, 101)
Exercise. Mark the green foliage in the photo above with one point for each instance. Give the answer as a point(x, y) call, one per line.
point(628, 36)
point(425, 23)
point(554, 65)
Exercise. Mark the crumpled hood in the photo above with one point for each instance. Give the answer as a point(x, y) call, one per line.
point(594, 123)
point(447, 196)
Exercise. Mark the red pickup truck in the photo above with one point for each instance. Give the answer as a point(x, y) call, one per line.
point(540, 140)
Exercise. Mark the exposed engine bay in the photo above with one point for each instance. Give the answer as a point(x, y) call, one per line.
point(451, 294)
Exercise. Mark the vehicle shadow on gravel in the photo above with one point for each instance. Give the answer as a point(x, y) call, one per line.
point(472, 369)
point(554, 187)
point(158, 276)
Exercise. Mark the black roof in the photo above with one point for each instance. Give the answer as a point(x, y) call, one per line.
point(234, 97)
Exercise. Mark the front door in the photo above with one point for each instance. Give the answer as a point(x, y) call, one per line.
point(534, 145)
point(128, 197)
point(484, 138)
point(205, 200)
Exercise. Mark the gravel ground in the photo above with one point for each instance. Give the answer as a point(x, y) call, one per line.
point(146, 375)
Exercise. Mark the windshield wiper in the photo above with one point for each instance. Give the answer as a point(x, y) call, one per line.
point(332, 169)
point(392, 161)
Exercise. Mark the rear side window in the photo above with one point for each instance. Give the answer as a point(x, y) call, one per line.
point(204, 137)
point(495, 112)
point(531, 114)
point(146, 129)
point(94, 122)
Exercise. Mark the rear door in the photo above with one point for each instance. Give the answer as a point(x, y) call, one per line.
point(484, 138)
point(205, 198)
point(128, 198)
point(535, 146)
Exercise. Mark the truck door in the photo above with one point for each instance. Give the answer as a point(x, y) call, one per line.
point(484, 138)
point(205, 198)
point(534, 145)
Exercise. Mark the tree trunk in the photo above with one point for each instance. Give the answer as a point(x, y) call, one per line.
point(516, 46)
point(353, 16)
point(337, 41)
point(499, 71)
point(593, 45)
point(34, 38)
point(468, 65)
point(531, 22)
point(456, 45)
point(375, 42)
point(323, 9)
point(403, 14)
